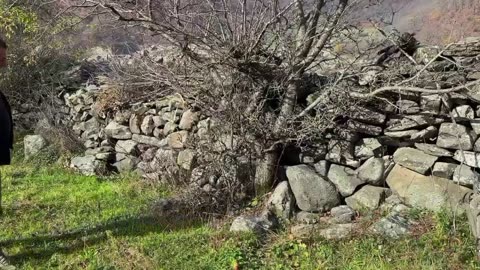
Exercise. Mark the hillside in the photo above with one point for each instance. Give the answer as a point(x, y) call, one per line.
point(435, 21)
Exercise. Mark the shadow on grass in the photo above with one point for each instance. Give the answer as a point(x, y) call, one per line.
point(44, 246)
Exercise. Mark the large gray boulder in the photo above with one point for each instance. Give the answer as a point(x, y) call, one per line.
point(427, 192)
point(372, 171)
point(414, 159)
point(454, 136)
point(117, 131)
point(344, 179)
point(312, 192)
point(367, 198)
point(282, 202)
point(33, 145)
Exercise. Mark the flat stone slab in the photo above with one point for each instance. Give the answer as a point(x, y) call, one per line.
point(454, 136)
point(412, 121)
point(414, 159)
point(335, 232)
point(433, 150)
point(427, 192)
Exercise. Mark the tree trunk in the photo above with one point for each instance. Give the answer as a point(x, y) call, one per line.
point(267, 165)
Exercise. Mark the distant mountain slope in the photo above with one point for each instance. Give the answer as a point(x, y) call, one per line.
point(437, 21)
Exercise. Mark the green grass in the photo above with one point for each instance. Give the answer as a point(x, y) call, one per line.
point(57, 219)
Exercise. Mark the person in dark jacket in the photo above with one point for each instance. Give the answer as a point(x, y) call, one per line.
point(6, 139)
point(6, 122)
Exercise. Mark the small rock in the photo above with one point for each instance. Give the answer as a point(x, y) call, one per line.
point(471, 159)
point(188, 120)
point(169, 128)
point(322, 167)
point(134, 124)
point(87, 165)
point(475, 123)
point(117, 131)
point(126, 164)
point(282, 202)
point(341, 152)
point(368, 197)
point(307, 217)
point(364, 128)
point(408, 107)
point(444, 170)
point(148, 125)
point(335, 232)
point(342, 214)
point(465, 176)
point(149, 140)
point(433, 150)
point(476, 147)
point(402, 134)
point(90, 144)
point(158, 132)
point(431, 104)
point(393, 226)
point(33, 144)
point(258, 225)
point(369, 147)
point(344, 179)
point(177, 139)
point(186, 159)
point(369, 116)
point(464, 111)
point(454, 136)
point(425, 134)
point(127, 147)
point(414, 159)
point(372, 171)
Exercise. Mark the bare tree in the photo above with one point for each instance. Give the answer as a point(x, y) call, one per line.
point(257, 53)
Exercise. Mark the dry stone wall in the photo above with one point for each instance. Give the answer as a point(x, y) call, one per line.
point(423, 148)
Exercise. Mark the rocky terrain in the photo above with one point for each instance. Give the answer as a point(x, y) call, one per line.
point(405, 149)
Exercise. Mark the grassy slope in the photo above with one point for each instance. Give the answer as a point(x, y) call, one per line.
point(50, 213)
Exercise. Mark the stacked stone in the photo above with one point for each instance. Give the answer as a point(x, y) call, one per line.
point(415, 147)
